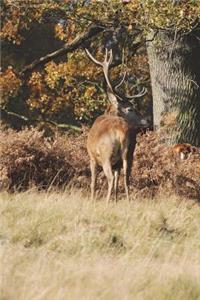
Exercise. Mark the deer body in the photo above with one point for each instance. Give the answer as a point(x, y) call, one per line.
point(110, 145)
point(112, 138)
point(108, 137)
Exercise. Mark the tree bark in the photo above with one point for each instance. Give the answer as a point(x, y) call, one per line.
point(174, 61)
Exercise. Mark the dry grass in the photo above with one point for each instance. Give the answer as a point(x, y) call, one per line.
point(62, 246)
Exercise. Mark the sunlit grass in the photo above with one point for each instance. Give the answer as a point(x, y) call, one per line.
point(62, 246)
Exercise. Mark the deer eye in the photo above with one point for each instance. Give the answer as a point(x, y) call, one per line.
point(129, 109)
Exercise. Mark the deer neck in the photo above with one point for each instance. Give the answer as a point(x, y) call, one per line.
point(111, 111)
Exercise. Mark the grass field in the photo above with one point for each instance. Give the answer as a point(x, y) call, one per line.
point(62, 246)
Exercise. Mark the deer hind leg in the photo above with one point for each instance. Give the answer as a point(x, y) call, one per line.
point(116, 180)
point(93, 167)
point(125, 169)
point(109, 175)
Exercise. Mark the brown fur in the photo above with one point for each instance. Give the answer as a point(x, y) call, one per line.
point(182, 151)
point(111, 141)
point(107, 137)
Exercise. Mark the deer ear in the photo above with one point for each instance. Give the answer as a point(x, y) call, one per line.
point(112, 98)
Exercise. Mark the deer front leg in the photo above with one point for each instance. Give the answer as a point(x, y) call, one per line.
point(125, 168)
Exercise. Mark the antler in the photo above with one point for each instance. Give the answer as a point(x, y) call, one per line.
point(105, 65)
point(130, 97)
point(140, 94)
point(121, 81)
point(112, 90)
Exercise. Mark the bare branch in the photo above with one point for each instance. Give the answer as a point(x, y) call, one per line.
point(31, 120)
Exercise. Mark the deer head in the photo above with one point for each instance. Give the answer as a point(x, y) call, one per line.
point(121, 104)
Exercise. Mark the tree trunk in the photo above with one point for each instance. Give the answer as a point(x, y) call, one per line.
point(174, 61)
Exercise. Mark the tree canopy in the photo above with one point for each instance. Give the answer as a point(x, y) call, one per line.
point(65, 86)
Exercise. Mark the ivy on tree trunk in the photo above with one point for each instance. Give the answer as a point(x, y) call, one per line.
point(174, 60)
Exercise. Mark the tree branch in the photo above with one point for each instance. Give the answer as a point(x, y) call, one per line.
point(68, 47)
point(26, 119)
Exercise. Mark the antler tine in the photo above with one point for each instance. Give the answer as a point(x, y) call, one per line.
point(142, 93)
point(121, 81)
point(111, 57)
point(105, 64)
point(106, 59)
point(106, 56)
point(92, 58)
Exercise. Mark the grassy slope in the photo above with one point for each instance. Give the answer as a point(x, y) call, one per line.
point(61, 246)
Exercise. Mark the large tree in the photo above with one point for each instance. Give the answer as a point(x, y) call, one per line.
point(174, 60)
point(170, 28)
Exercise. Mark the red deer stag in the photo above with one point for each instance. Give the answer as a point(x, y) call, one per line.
point(112, 138)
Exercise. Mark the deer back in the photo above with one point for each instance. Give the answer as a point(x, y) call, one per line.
point(108, 138)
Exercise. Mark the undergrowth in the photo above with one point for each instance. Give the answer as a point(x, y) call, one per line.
point(29, 159)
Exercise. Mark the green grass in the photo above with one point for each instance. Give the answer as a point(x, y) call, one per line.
point(62, 246)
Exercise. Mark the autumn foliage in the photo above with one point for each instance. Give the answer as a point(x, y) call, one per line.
point(71, 89)
point(9, 84)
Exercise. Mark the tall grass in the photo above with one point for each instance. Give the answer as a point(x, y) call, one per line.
point(62, 246)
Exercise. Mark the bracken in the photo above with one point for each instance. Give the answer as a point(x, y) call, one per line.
point(29, 159)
